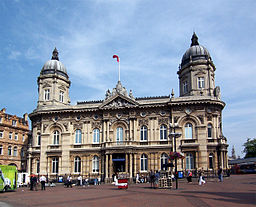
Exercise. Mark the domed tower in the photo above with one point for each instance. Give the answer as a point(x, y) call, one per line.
point(196, 71)
point(53, 83)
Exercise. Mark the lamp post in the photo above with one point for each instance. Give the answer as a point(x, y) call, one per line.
point(175, 135)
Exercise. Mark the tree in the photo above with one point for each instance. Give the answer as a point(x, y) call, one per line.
point(233, 153)
point(250, 148)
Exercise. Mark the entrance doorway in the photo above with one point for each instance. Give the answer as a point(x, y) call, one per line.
point(118, 162)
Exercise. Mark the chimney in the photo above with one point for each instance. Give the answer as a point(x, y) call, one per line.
point(25, 116)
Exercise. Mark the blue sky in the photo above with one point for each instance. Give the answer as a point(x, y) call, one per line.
point(150, 38)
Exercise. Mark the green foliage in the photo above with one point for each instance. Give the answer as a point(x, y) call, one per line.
point(250, 148)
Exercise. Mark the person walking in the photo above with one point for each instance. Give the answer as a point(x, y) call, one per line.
point(157, 177)
point(152, 178)
point(35, 183)
point(79, 180)
point(69, 181)
point(42, 181)
point(189, 177)
point(220, 174)
point(201, 177)
point(31, 182)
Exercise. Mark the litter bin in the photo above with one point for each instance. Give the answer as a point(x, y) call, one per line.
point(180, 174)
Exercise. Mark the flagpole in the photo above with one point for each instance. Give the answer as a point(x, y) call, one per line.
point(119, 70)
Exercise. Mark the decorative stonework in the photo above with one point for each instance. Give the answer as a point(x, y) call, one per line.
point(118, 103)
point(143, 122)
point(96, 124)
point(201, 118)
point(162, 121)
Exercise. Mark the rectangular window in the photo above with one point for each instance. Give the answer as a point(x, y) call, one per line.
point(16, 136)
point(0, 119)
point(10, 135)
point(61, 96)
point(55, 165)
point(38, 139)
point(37, 166)
point(185, 87)
point(200, 82)
point(14, 123)
point(1, 149)
point(23, 138)
point(47, 94)
point(1, 134)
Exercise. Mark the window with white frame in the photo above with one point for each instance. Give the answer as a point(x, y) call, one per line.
point(1, 149)
point(55, 165)
point(61, 96)
point(77, 167)
point(78, 139)
point(23, 138)
point(119, 134)
point(56, 137)
point(200, 82)
point(39, 139)
point(37, 166)
point(15, 151)
point(16, 136)
point(14, 122)
point(95, 164)
point(189, 161)
point(47, 94)
point(209, 130)
point(143, 162)
point(185, 86)
point(163, 132)
point(188, 131)
point(9, 150)
point(143, 133)
point(10, 135)
point(96, 136)
point(1, 134)
point(164, 161)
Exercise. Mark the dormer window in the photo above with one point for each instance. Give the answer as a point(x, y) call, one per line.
point(47, 94)
point(14, 123)
point(200, 82)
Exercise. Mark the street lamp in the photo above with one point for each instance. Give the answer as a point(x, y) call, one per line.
point(175, 135)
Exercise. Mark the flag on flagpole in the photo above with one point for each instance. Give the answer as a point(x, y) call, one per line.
point(117, 58)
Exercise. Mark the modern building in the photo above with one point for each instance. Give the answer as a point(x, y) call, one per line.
point(13, 140)
point(126, 134)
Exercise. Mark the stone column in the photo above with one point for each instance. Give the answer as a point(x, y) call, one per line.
point(130, 168)
point(110, 166)
point(29, 164)
point(106, 167)
point(126, 162)
point(135, 163)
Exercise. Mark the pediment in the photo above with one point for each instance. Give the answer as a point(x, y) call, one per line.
point(118, 101)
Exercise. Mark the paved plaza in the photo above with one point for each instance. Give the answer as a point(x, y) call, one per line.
point(238, 190)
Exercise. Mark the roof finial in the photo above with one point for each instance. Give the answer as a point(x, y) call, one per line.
point(55, 54)
point(194, 40)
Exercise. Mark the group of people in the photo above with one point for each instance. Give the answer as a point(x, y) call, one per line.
point(34, 182)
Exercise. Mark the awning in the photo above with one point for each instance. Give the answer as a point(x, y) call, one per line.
point(118, 159)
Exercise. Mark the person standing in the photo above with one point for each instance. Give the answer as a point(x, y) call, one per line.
point(31, 182)
point(157, 177)
point(79, 179)
point(42, 181)
point(35, 182)
point(69, 181)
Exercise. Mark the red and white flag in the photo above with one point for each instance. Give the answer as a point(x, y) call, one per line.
point(117, 58)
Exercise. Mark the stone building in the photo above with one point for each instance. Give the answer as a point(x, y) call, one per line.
point(126, 134)
point(14, 133)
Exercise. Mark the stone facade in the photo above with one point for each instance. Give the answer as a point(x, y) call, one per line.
point(14, 132)
point(126, 134)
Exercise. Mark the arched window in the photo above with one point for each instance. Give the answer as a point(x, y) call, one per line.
point(56, 137)
point(211, 161)
point(9, 150)
point(189, 161)
point(15, 150)
point(78, 137)
point(55, 165)
point(95, 164)
point(96, 136)
point(22, 152)
point(37, 166)
point(163, 132)
point(209, 130)
point(143, 162)
point(77, 168)
point(188, 131)
point(1, 149)
point(164, 161)
point(143, 133)
point(39, 139)
point(119, 134)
